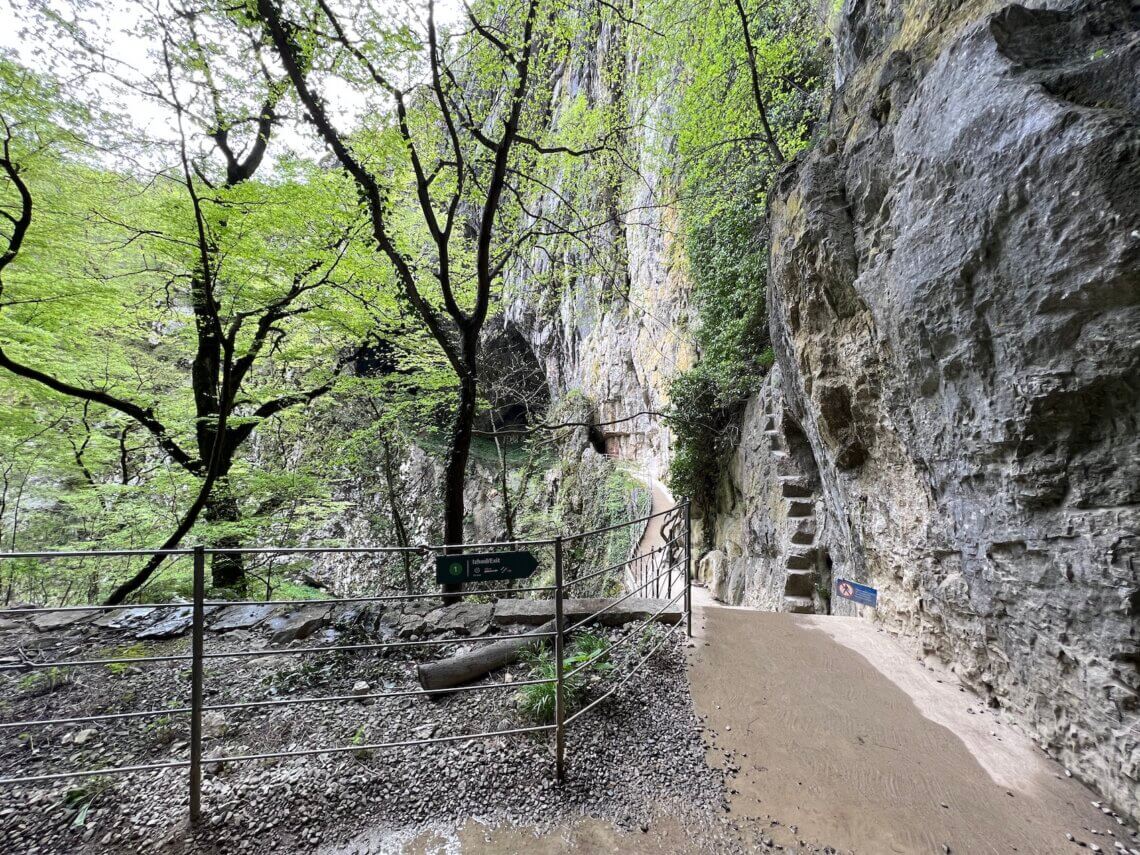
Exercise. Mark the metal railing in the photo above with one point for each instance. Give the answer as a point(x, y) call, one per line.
point(671, 559)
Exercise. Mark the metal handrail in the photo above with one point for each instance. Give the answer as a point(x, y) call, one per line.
point(379, 598)
point(625, 679)
point(603, 653)
point(198, 655)
point(615, 527)
point(456, 548)
point(238, 654)
point(273, 702)
point(612, 567)
point(606, 608)
point(94, 773)
point(375, 746)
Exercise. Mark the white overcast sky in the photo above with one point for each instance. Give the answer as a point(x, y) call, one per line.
point(112, 22)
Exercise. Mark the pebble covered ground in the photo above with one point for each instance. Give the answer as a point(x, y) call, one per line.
point(638, 755)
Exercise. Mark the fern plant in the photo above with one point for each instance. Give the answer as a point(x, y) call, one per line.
point(536, 702)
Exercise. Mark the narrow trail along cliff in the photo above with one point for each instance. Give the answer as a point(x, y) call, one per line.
point(843, 739)
point(839, 737)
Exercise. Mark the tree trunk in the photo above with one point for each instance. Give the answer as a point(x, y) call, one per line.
point(456, 475)
point(448, 673)
point(397, 517)
point(505, 486)
point(226, 571)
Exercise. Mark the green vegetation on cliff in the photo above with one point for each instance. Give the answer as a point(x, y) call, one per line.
point(209, 327)
point(751, 98)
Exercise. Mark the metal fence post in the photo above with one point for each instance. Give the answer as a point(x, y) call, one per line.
point(559, 699)
point(689, 568)
point(196, 685)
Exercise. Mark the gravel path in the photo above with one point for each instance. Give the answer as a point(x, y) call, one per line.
point(638, 755)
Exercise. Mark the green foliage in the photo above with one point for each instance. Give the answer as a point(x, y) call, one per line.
point(162, 730)
point(101, 296)
point(728, 260)
point(650, 638)
point(132, 651)
point(725, 168)
point(536, 702)
point(705, 421)
point(77, 801)
point(360, 739)
point(589, 648)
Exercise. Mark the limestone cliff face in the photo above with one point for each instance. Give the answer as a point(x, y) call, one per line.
point(618, 333)
point(768, 525)
point(955, 305)
point(955, 297)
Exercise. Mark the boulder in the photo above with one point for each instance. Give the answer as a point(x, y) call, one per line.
point(299, 624)
point(174, 622)
point(241, 617)
point(49, 621)
point(126, 618)
point(535, 612)
point(711, 567)
point(461, 618)
point(214, 724)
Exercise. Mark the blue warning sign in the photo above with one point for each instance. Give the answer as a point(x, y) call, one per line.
point(855, 592)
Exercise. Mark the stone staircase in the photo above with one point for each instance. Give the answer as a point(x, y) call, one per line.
point(799, 549)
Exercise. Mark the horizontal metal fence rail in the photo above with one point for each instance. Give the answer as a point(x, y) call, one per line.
point(676, 550)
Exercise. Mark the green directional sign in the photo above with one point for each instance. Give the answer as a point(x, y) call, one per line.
point(484, 567)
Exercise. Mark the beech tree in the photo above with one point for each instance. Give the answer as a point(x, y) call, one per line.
point(249, 278)
point(447, 167)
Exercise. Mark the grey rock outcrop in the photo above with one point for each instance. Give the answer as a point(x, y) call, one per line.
point(300, 623)
point(765, 528)
point(617, 336)
point(955, 293)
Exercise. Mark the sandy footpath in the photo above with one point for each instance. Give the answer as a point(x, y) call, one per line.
point(850, 757)
point(837, 737)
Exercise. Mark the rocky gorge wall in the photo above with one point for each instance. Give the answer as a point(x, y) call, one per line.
point(955, 308)
point(768, 532)
point(617, 330)
point(954, 418)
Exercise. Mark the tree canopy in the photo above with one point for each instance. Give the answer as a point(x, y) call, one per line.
point(224, 224)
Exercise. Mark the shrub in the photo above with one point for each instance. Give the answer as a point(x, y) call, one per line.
point(649, 638)
point(706, 425)
point(728, 255)
point(78, 800)
point(589, 647)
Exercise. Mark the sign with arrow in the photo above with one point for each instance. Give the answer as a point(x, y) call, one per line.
point(484, 567)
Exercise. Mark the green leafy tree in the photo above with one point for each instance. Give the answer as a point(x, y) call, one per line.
point(446, 170)
point(249, 289)
point(748, 103)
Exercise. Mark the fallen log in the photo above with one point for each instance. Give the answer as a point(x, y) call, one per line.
point(448, 673)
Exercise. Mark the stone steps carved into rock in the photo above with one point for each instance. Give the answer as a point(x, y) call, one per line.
point(803, 560)
point(799, 605)
point(799, 583)
point(802, 531)
point(793, 487)
point(798, 509)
